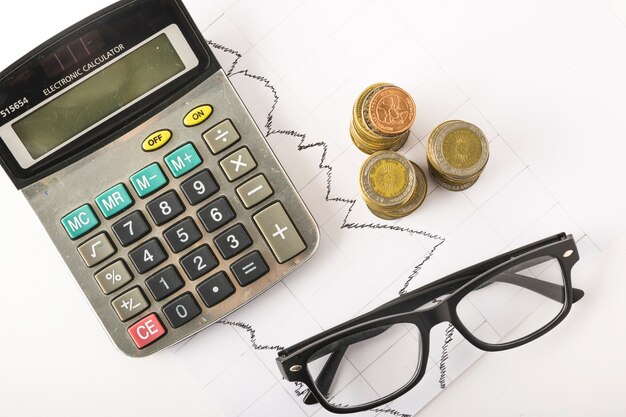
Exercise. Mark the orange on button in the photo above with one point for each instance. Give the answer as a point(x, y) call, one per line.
point(198, 115)
point(146, 331)
point(157, 140)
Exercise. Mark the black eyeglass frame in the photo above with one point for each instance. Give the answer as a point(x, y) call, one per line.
point(293, 360)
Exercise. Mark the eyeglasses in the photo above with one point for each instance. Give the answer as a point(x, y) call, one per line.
point(380, 355)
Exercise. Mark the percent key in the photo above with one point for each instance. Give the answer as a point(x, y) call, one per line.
point(113, 277)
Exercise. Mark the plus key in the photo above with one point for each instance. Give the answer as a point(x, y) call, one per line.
point(279, 232)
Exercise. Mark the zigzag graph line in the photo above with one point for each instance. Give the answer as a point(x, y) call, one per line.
point(346, 224)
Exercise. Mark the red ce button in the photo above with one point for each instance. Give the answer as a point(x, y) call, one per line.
point(146, 330)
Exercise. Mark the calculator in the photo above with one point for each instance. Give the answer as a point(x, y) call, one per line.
point(149, 174)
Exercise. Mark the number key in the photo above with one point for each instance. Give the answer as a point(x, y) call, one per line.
point(233, 241)
point(200, 187)
point(199, 262)
point(182, 310)
point(131, 228)
point(148, 256)
point(164, 283)
point(182, 235)
point(216, 214)
point(165, 208)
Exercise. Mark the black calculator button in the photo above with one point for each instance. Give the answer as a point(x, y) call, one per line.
point(199, 262)
point(199, 187)
point(131, 228)
point(233, 241)
point(249, 268)
point(164, 283)
point(182, 235)
point(216, 214)
point(182, 310)
point(215, 289)
point(165, 208)
point(148, 256)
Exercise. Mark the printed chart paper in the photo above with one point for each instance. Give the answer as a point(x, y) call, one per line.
point(299, 66)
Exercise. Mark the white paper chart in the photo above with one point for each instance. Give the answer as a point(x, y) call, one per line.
point(299, 66)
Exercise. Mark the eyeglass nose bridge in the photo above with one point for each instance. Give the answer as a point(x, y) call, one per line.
point(439, 313)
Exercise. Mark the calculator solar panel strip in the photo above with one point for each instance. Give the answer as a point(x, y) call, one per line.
point(164, 198)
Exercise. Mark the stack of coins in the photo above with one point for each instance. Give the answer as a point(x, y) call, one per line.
point(457, 154)
point(391, 185)
point(381, 118)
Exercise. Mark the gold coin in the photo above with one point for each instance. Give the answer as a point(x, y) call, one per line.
point(458, 150)
point(387, 180)
point(462, 148)
point(451, 185)
point(416, 200)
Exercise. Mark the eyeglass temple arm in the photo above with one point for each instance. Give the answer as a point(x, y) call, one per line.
point(327, 374)
point(547, 289)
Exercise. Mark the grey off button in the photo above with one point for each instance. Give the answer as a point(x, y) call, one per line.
point(279, 232)
point(221, 136)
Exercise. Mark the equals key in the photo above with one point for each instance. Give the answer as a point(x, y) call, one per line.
point(249, 268)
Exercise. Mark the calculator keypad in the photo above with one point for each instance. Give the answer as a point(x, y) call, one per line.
point(114, 201)
point(183, 160)
point(80, 222)
point(182, 235)
point(131, 228)
point(186, 232)
point(97, 249)
point(113, 277)
point(199, 187)
point(221, 137)
point(215, 289)
point(165, 208)
point(130, 304)
point(255, 191)
point(181, 310)
point(149, 180)
point(238, 164)
point(249, 268)
point(233, 241)
point(279, 232)
point(199, 262)
point(146, 331)
point(165, 283)
point(148, 256)
point(216, 214)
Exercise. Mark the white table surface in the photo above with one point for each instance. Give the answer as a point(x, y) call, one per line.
point(55, 360)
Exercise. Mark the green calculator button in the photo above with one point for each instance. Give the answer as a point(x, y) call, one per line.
point(80, 221)
point(114, 200)
point(183, 160)
point(148, 180)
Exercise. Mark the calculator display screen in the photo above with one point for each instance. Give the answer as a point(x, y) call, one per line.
point(99, 96)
